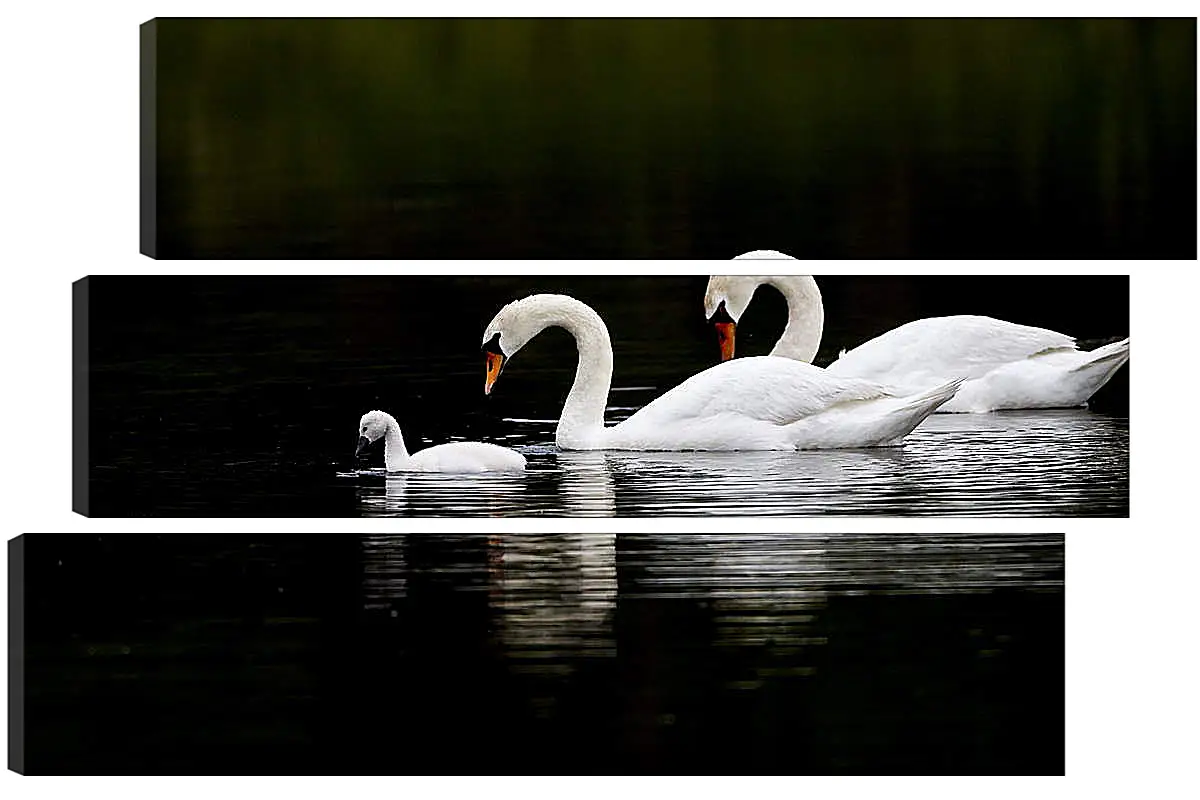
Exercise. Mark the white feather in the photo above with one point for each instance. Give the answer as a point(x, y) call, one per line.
point(465, 457)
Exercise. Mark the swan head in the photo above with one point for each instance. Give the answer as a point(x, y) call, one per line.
point(371, 428)
point(510, 330)
point(729, 294)
point(725, 300)
point(763, 254)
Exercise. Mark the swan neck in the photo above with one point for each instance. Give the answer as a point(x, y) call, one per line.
point(582, 419)
point(395, 454)
point(806, 317)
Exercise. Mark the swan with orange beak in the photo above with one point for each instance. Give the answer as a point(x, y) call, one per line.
point(1003, 365)
point(495, 362)
point(741, 404)
point(727, 297)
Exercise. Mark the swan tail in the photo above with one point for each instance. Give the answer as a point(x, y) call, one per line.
point(878, 422)
point(1112, 356)
point(932, 399)
point(940, 394)
point(1100, 365)
point(913, 409)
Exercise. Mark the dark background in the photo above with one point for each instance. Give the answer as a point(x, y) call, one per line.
point(668, 138)
point(257, 654)
point(195, 380)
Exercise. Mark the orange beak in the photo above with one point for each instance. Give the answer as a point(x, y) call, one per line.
point(725, 331)
point(495, 363)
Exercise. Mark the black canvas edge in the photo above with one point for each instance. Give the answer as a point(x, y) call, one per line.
point(80, 409)
point(148, 134)
point(16, 654)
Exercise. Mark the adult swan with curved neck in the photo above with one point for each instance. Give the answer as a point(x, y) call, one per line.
point(748, 404)
point(1006, 365)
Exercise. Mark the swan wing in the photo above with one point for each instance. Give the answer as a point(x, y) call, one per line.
point(776, 390)
point(928, 351)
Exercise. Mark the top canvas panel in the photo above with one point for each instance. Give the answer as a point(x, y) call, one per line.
point(668, 138)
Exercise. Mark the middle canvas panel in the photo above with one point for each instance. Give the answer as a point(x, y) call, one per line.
point(321, 396)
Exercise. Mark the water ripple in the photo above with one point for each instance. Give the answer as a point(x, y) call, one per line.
point(1048, 463)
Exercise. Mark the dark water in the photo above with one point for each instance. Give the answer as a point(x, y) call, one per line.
point(241, 396)
point(510, 653)
point(584, 138)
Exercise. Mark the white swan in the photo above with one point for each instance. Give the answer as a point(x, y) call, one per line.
point(457, 457)
point(1007, 366)
point(747, 404)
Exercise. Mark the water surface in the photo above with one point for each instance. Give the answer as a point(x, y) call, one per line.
point(513, 653)
point(1045, 463)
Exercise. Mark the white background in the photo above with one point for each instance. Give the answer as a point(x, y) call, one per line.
point(70, 184)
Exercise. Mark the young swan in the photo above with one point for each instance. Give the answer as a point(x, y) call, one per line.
point(460, 457)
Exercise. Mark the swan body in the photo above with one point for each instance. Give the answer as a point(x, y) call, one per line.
point(748, 404)
point(1005, 365)
point(456, 457)
point(1008, 366)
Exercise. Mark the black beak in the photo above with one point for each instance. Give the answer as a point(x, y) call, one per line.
point(721, 315)
point(363, 442)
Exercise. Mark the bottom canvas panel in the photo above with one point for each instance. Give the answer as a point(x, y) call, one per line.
point(654, 653)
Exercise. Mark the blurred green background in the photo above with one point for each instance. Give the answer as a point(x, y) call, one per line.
point(649, 138)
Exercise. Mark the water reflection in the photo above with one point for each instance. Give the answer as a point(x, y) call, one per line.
point(552, 598)
point(653, 652)
point(661, 653)
point(1036, 463)
point(420, 494)
point(385, 568)
point(768, 590)
point(578, 484)
point(809, 567)
point(587, 483)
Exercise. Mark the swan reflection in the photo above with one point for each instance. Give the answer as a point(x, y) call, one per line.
point(552, 598)
point(385, 568)
point(667, 639)
point(574, 609)
point(768, 592)
point(419, 494)
point(587, 483)
point(763, 592)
